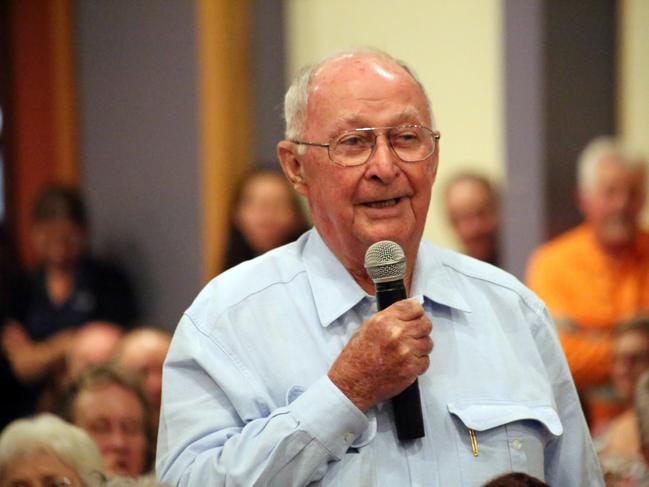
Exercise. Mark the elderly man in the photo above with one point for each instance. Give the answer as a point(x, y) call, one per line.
point(472, 209)
point(597, 274)
point(281, 371)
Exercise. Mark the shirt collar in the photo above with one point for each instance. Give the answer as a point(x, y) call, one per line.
point(432, 279)
point(335, 291)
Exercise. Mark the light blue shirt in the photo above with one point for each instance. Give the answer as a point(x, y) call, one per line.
point(247, 400)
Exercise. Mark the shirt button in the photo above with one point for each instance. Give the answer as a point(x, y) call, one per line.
point(349, 437)
point(517, 445)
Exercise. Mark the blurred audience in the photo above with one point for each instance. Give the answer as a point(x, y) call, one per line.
point(148, 481)
point(93, 344)
point(597, 274)
point(266, 213)
point(621, 437)
point(109, 404)
point(143, 351)
point(626, 466)
point(12, 285)
point(516, 479)
point(67, 290)
point(472, 208)
point(47, 451)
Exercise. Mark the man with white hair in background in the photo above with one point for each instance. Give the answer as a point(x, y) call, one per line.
point(281, 373)
point(597, 274)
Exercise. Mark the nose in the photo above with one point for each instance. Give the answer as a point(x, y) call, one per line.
point(382, 164)
point(117, 440)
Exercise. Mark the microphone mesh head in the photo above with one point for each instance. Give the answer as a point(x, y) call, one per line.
point(385, 261)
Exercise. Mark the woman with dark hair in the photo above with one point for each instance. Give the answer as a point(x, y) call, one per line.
point(266, 213)
point(67, 290)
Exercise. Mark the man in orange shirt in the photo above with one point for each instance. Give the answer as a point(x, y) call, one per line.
point(597, 274)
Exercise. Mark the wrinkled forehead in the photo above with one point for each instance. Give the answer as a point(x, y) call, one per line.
point(364, 78)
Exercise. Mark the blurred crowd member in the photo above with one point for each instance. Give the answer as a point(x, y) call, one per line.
point(93, 344)
point(621, 438)
point(472, 209)
point(266, 213)
point(624, 468)
point(11, 285)
point(148, 481)
point(516, 479)
point(67, 290)
point(109, 404)
point(143, 350)
point(47, 451)
point(596, 275)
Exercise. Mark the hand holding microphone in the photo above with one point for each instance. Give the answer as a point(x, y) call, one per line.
point(390, 350)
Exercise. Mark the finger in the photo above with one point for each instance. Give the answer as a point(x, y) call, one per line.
point(422, 347)
point(407, 309)
point(419, 328)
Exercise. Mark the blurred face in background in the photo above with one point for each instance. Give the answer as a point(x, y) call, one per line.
point(473, 214)
point(613, 204)
point(266, 213)
point(113, 416)
point(59, 242)
point(144, 352)
point(40, 469)
point(630, 360)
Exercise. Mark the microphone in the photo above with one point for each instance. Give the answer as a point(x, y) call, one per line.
point(385, 263)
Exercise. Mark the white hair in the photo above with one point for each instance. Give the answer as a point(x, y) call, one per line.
point(49, 434)
point(145, 481)
point(297, 95)
point(602, 148)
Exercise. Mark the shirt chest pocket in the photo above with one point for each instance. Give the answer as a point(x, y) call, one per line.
point(503, 437)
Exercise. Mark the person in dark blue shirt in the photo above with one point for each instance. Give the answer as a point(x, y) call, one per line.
point(67, 290)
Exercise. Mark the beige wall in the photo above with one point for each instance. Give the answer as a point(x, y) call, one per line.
point(455, 47)
point(633, 95)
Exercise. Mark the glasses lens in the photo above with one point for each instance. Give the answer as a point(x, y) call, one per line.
point(352, 148)
point(412, 144)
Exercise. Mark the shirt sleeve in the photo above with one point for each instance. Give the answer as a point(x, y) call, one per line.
point(570, 459)
point(216, 429)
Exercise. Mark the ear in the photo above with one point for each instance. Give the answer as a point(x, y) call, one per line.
point(292, 165)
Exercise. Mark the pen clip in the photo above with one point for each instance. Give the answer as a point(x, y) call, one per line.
point(474, 442)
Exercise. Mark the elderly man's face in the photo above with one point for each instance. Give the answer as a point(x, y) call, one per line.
point(385, 198)
point(613, 204)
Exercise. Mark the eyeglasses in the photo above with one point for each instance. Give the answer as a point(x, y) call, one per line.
point(410, 143)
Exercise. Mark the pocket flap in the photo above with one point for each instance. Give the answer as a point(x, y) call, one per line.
point(481, 417)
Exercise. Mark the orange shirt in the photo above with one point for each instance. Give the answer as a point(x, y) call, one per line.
point(581, 284)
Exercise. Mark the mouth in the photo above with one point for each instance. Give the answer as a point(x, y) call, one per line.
point(383, 203)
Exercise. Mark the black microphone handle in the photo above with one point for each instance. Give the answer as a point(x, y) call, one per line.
point(407, 404)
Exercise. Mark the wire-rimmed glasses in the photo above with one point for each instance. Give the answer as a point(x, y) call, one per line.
point(410, 143)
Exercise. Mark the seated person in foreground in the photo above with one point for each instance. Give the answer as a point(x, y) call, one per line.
point(597, 274)
point(281, 372)
point(47, 451)
point(109, 404)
